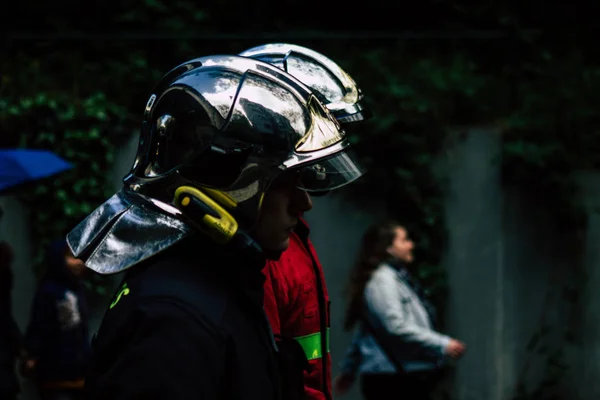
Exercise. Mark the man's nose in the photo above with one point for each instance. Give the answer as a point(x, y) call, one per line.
point(302, 202)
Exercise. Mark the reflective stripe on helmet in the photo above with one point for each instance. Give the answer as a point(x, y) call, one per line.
point(311, 344)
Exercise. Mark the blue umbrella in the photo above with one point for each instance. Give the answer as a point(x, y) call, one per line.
point(18, 166)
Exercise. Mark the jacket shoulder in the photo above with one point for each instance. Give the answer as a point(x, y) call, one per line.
point(383, 274)
point(170, 281)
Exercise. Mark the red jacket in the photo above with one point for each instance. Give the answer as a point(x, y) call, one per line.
point(297, 305)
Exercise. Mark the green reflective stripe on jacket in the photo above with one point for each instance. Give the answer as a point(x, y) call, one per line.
point(311, 344)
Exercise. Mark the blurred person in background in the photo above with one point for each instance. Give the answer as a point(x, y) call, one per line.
point(57, 349)
point(396, 350)
point(10, 335)
point(296, 298)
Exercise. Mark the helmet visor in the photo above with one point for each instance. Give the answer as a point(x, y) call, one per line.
point(329, 173)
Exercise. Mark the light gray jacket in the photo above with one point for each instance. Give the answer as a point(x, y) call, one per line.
point(400, 319)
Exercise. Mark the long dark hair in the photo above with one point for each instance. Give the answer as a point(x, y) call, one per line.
point(373, 252)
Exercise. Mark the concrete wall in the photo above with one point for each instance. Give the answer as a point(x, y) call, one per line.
point(506, 272)
point(475, 263)
point(586, 357)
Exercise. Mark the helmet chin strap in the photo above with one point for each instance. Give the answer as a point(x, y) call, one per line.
point(243, 240)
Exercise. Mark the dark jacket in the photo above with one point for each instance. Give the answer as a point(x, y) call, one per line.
point(57, 335)
point(187, 324)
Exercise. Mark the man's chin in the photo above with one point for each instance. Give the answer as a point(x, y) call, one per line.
point(275, 252)
point(273, 255)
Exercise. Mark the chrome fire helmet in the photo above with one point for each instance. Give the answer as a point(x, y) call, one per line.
point(217, 131)
point(328, 81)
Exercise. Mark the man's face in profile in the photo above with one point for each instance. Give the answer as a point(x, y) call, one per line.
point(282, 206)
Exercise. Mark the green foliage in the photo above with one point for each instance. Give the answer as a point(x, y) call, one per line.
point(400, 144)
point(85, 133)
point(553, 132)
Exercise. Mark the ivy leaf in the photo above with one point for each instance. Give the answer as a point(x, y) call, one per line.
point(156, 5)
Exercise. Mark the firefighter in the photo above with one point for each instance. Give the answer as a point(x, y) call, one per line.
point(296, 298)
point(229, 152)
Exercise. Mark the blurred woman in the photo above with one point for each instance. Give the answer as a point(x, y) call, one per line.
point(395, 350)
